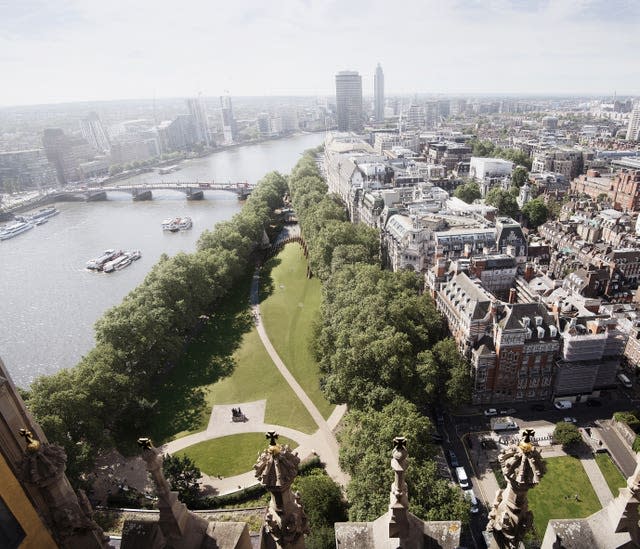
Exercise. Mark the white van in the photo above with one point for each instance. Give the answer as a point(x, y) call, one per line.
point(563, 404)
point(624, 380)
point(463, 479)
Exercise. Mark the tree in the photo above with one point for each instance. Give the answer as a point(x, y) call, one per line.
point(504, 201)
point(519, 176)
point(567, 434)
point(468, 192)
point(322, 499)
point(183, 475)
point(536, 212)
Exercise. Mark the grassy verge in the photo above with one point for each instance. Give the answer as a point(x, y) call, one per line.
point(555, 497)
point(611, 473)
point(290, 303)
point(229, 456)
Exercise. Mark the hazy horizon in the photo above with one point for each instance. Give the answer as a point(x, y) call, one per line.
point(69, 51)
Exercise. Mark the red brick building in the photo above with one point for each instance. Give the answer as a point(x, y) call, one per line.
point(622, 189)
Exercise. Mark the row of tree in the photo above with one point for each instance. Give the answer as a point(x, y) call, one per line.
point(486, 148)
point(379, 342)
point(107, 399)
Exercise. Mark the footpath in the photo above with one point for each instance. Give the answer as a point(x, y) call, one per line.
point(322, 443)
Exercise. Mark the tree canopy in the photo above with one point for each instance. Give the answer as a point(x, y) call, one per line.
point(505, 201)
point(519, 176)
point(468, 192)
point(567, 434)
point(535, 212)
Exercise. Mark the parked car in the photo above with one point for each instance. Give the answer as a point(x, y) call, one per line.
point(471, 497)
point(594, 402)
point(437, 438)
point(507, 411)
point(570, 420)
point(491, 412)
point(453, 459)
point(563, 404)
point(538, 407)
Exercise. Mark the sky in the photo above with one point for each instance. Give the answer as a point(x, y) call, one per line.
point(55, 51)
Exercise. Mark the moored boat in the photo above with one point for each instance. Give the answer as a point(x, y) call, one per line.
point(10, 231)
point(43, 214)
point(98, 263)
point(175, 224)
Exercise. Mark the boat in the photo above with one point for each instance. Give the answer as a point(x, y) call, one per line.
point(43, 214)
point(175, 224)
point(134, 255)
point(98, 263)
point(10, 231)
point(110, 265)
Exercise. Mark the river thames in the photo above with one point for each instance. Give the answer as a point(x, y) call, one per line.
point(49, 302)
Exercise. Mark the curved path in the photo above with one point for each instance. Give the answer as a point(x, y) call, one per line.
point(322, 443)
point(326, 445)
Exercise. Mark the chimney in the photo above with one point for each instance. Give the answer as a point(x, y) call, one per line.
point(528, 272)
point(512, 295)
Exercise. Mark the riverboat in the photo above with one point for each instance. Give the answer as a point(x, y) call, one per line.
point(10, 231)
point(175, 224)
point(98, 263)
point(43, 215)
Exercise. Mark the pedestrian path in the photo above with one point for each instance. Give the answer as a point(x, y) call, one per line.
point(322, 443)
point(600, 486)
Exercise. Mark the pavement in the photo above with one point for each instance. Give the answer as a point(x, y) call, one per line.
point(322, 443)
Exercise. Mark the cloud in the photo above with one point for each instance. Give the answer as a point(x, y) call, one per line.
point(87, 49)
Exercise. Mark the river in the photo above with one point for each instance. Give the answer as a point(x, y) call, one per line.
point(49, 302)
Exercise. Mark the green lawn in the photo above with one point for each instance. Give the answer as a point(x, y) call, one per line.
point(225, 364)
point(229, 456)
point(554, 497)
point(611, 473)
point(290, 303)
point(256, 377)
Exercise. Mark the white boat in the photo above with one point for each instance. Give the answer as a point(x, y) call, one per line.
point(110, 265)
point(43, 214)
point(98, 263)
point(10, 231)
point(134, 255)
point(175, 224)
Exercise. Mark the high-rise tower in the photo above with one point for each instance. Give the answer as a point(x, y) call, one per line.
point(228, 122)
point(633, 130)
point(199, 115)
point(95, 134)
point(349, 101)
point(378, 92)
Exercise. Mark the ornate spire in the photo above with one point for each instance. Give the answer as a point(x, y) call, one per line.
point(43, 466)
point(509, 518)
point(285, 521)
point(399, 497)
point(180, 527)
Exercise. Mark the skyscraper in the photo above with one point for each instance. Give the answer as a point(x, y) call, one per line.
point(349, 101)
point(228, 122)
point(199, 115)
point(633, 131)
point(378, 92)
point(95, 134)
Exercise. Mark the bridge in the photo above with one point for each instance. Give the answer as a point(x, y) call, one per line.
point(144, 191)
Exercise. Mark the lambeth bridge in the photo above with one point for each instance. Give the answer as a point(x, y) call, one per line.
point(144, 191)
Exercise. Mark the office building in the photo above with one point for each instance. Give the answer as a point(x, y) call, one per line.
point(378, 91)
point(199, 115)
point(633, 130)
point(61, 154)
point(228, 122)
point(26, 169)
point(349, 101)
point(95, 133)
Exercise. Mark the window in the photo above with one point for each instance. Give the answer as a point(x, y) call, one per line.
point(11, 533)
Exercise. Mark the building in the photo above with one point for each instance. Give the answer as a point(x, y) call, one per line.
point(229, 128)
point(483, 169)
point(349, 101)
point(177, 134)
point(59, 151)
point(633, 130)
point(95, 133)
point(199, 114)
point(28, 169)
point(622, 189)
point(378, 93)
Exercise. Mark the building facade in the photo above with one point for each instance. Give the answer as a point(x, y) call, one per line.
point(378, 92)
point(349, 101)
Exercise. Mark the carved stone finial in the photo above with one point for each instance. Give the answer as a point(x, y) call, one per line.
point(272, 436)
point(32, 444)
point(285, 522)
point(509, 517)
point(399, 497)
point(144, 443)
